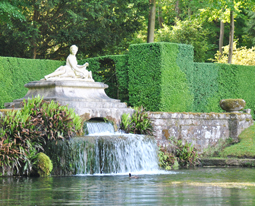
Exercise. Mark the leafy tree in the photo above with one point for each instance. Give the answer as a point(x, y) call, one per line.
point(225, 11)
point(250, 26)
point(51, 26)
point(8, 12)
point(187, 32)
point(241, 55)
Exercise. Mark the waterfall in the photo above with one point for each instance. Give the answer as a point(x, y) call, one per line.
point(98, 153)
point(94, 127)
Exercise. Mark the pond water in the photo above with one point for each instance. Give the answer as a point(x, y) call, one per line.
point(200, 186)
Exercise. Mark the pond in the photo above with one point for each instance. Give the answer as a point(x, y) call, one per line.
point(200, 186)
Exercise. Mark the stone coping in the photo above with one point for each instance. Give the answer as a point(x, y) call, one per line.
point(227, 162)
point(67, 83)
point(192, 115)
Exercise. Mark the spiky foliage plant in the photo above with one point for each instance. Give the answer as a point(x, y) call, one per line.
point(24, 132)
point(138, 123)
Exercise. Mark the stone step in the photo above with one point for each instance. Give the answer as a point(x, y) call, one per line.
point(95, 104)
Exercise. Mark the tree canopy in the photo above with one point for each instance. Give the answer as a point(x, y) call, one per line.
point(49, 27)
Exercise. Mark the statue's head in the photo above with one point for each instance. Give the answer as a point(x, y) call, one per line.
point(73, 49)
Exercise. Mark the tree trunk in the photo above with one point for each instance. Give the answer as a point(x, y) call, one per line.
point(151, 23)
point(34, 52)
point(221, 37)
point(160, 18)
point(177, 9)
point(231, 37)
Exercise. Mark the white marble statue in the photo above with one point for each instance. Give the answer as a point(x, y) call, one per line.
point(71, 70)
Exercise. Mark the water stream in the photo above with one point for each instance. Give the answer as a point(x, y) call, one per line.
point(104, 151)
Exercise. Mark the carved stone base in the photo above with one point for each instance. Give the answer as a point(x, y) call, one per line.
point(88, 99)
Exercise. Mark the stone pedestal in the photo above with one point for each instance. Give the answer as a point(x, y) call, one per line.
point(88, 99)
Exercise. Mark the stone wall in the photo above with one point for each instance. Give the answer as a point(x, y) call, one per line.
point(200, 129)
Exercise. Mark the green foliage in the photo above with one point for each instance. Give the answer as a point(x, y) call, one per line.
point(167, 160)
point(23, 132)
point(241, 55)
point(205, 88)
point(186, 154)
point(250, 26)
point(187, 32)
point(138, 123)
point(16, 72)
point(214, 82)
point(44, 165)
point(175, 154)
point(155, 79)
point(113, 71)
point(245, 148)
point(50, 27)
point(18, 141)
point(216, 150)
point(52, 120)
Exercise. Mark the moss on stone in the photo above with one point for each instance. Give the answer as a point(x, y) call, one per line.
point(232, 104)
point(44, 165)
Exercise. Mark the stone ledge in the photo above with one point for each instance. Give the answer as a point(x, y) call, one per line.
point(221, 162)
point(192, 115)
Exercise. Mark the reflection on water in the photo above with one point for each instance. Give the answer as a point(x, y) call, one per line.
point(202, 186)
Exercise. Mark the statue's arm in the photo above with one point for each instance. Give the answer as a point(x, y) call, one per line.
point(84, 66)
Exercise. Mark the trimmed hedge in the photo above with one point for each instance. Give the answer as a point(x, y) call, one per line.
point(113, 71)
point(16, 72)
point(160, 76)
point(214, 82)
point(155, 79)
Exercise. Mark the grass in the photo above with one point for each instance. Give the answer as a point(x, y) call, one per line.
point(245, 148)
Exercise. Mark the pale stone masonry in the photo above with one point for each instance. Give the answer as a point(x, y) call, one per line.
point(200, 129)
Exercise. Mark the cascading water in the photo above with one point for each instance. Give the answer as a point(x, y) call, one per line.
point(125, 153)
point(105, 152)
point(95, 127)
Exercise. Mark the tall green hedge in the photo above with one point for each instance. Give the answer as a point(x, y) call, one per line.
point(155, 79)
point(16, 72)
point(214, 82)
point(160, 76)
point(205, 87)
point(113, 71)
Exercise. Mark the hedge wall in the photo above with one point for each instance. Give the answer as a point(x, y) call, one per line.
point(113, 71)
point(16, 72)
point(214, 82)
point(155, 79)
point(160, 76)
